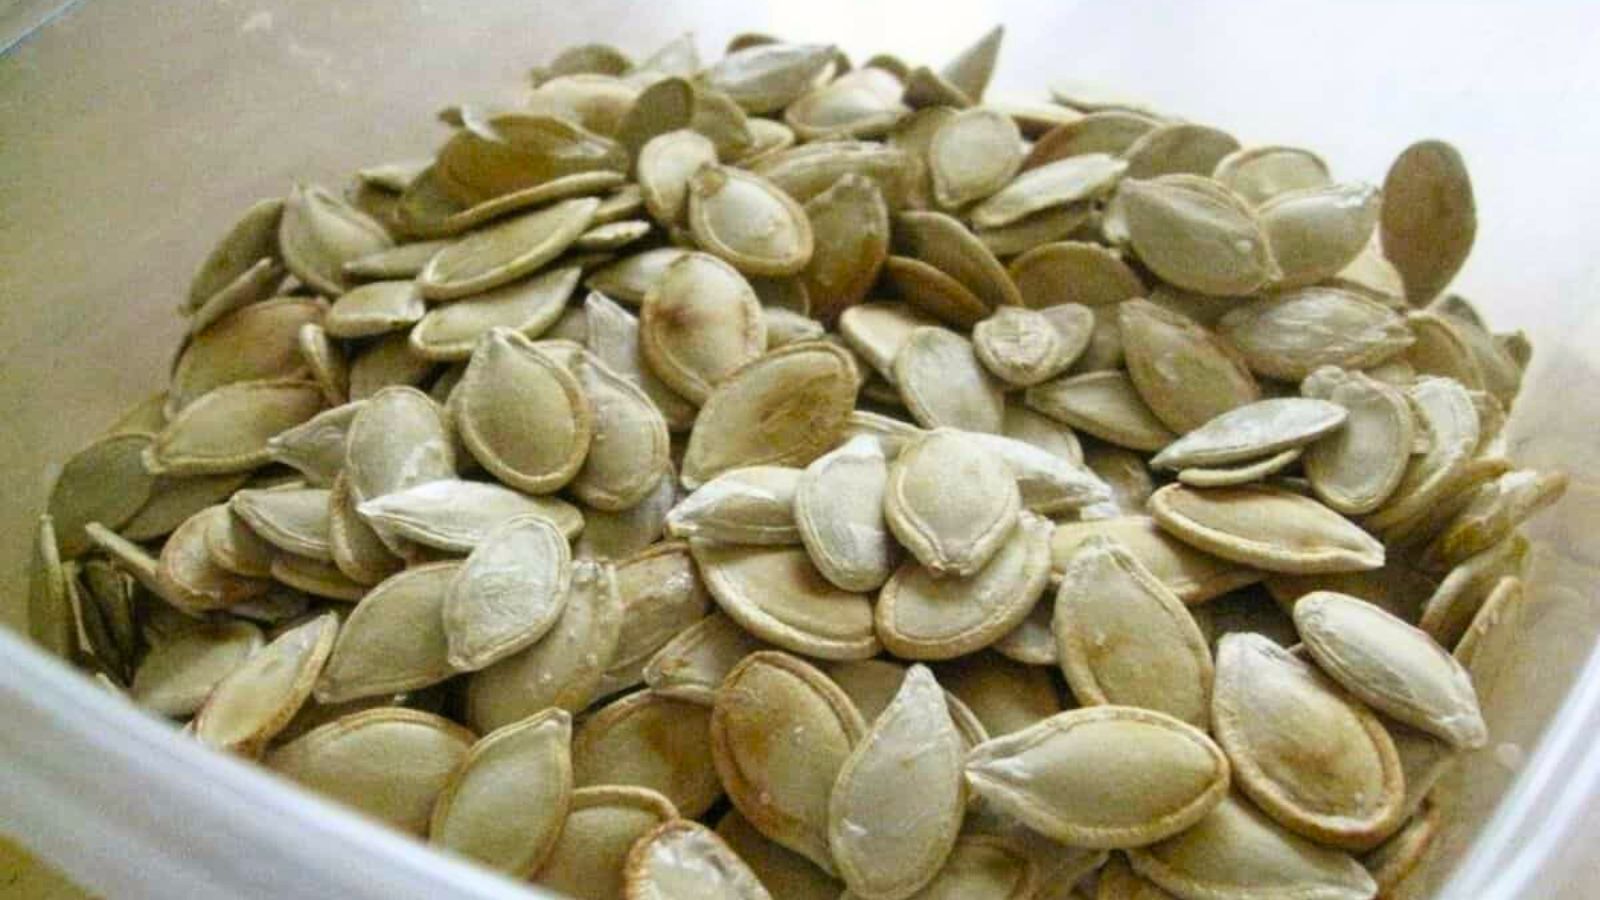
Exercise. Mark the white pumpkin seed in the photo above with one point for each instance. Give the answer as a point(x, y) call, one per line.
point(950, 503)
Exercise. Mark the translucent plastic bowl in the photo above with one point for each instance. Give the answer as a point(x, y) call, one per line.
point(133, 131)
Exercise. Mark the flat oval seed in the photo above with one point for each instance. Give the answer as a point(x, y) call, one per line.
point(613, 337)
point(651, 741)
point(180, 671)
point(850, 236)
point(1240, 473)
point(944, 243)
point(105, 482)
point(529, 307)
point(373, 309)
point(767, 77)
point(318, 233)
point(1315, 233)
point(752, 505)
point(252, 238)
point(617, 535)
point(778, 596)
point(661, 596)
point(665, 165)
point(1048, 483)
point(1268, 528)
point(928, 290)
point(921, 616)
point(700, 321)
point(972, 155)
point(1290, 335)
point(895, 809)
point(1260, 173)
point(1125, 639)
point(1396, 668)
point(1021, 347)
point(316, 447)
point(227, 429)
point(1105, 776)
point(950, 502)
point(1104, 404)
point(404, 261)
point(522, 413)
point(1184, 373)
point(746, 220)
point(1308, 754)
point(1355, 469)
point(1073, 272)
point(456, 516)
point(838, 509)
point(258, 342)
point(1443, 410)
point(692, 664)
point(683, 860)
point(394, 639)
point(506, 251)
point(1190, 574)
point(1076, 179)
point(1105, 130)
point(294, 520)
point(507, 594)
point(564, 668)
point(862, 103)
point(398, 440)
point(188, 578)
point(255, 701)
point(1197, 235)
point(1429, 217)
point(1004, 695)
point(505, 805)
point(629, 278)
point(602, 826)
point(785, 408)
point(389, 763)
point(1253, 431)
point(781, 786)
point(1235, 851)
point(944, 384)
point(628, 454)
point(387, 362)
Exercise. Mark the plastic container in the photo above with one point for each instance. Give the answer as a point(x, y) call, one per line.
point(135, 131)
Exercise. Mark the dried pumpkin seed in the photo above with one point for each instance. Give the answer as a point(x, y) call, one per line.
point(358, 552)
point(394, 639)
point(1103, 404)
point(612, 335)
point(1192, 575)
point(295, 520)
point(651, 741)
point(180, 671)
point(699, 322)
point(943, 382)
point(662, 595)
point(105, 482)
point(692, 664)
point(1268, 528)
point(1443, 410)
point(315, 577)
point(838, 510)
point(1236, 474)
point(666, 164)
point(1182, 371)
point(522, 413)
point(390, 362)
point(972, 155)
point(1075, 179)
point(1109, 131)
point(1073, 272)
point(529, 307)
point(1494, 512)
point(226, 430)
point(617, 535)
point(765, 78)
point(1021, 346)
point(1253, 431)
point(746, 220)
point(850, 241)
point(187, 576)
point(682, 859)
point(928, 290)
point(950, 503)
point(1260, 173)
point(752, 505)
point(1357, 468)
point(507, 594)
point(318, 233)
point(946, 244)
point(252, 238)
point(1429, 217)
point(777, 595)
point(1494, 636)
point(1315, 233)
point(505, 252)
point(254, 702)
point(782, 872)
point(860, 104)
point(603, 823)
point(1197, 234)
point(1178, 148)
point(455, 516)
point(257, 343)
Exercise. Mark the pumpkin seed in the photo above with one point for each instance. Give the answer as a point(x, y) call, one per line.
point(1190, 574)
point(522, 413)
point(1044, 227)
point(785, 408)
point(180, 671)
point(692, 664)
point(785, 327)
point(776, 594)
point(1429, 218)
point(507, 594)
point(499, 154)
point(1253, 431)
point(1260, 173)
point(1021, 347)
point(456, 516)
point(1109, 131)
point(257, 343)
point(315, 577)
point(105, 482)
point(505, 252)
point(667, 104)
point(681, 859)
point(617, 535)
point(838, 510)
point(253, 238)
point(1197, 234)
point(972, 155)
point(326, 360)
point(505, 805)
point(562, 669)
point(226, 430)
point(928, 290)
point(1124, 472)
point(666, 164)
point(661, 596)
point(746, 220)
point(767, 77)
point(922, 616)
point(1182, 371)
point(390, 362)
point(529, 307)
point(1396, 858)
point(1444, 410)
point(651, 741)
point(946, 244)
point(1239, 473)
point(950, 503)
point(753, 505)
point(1178, 148)
point(1123, 638)
point(1107, 776)
point(397, 440)
point(944, 384)
point(782, 872)
point(1494, 511)
point(1047, 483)
point(254, 702)
point(1316, 232)
point(850, 241)
point(700, 321)
point(1076, 179)
point(358, 551)
point(1494, 635)
point(318, 233)
point(1394, 667)
point(860, 104)
point(1267, 528)
point(294, 520)
point(807, 170)
point(1025, 425)
point(389, 763)
point(1072, 272)
point(190, 580)
point(1357, 468)
point(316, 447)
point(404, 261)
point(1104, 404)
point(612, 335)
point(603, 823)
point(394, 639)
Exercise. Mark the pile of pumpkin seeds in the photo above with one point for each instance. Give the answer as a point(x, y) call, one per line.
point(784, 478)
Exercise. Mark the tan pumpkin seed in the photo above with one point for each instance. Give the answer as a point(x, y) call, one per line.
point(456, 516)
point(1190, 574)
point(889, 432)
point(753, 505)
point(522, 413)
point(1043, 227)
point(700, 321)
point(295, 520)
point(1031, 643)
point(1123, 638)
point(895, 809)
point(928, 290)
point(1124, 472)
point(397, 440)
point(316, 447)
point(944, 384)
point(719, 118)
point(662, 595)
point(1025, 425)
point(105, 482)
point(1265, 527)
point(506, 251)
point(612, 335)
point(505, 805)
point(257, 343)
point(680, 860)
point(1072, 272)
point(389, 763)
point(1260, 173)
point(1394, 667)
point(1005, 696)
point(499, 154)
point(651, 741)
point(1253, 431)
point(394, 639)
point(187, 576)
point(1429, 217)
point(665, 165)
point(1235, 474)
point(666, 104)
point(376, 308)
point(404, 261)
point(786, 327)
point(850, 228)
point(617, 535)
point(838, 510)
point(809, 169)
point(326, 360)
point(1309, 755)
point(746, 220)
point(595, 101)
point(529, 307)
point(507, 594)
point(1443, 410)
point(1104, 404)
point(1109, 776)
point(254, 702)
point(227, 429)
point(1291, 335)
point(913, 135)
point(603, 823)
point(255, 285)
point(1197, 234)
point(389, 362)
point(1440, 349)
point(1494, 511)
point(1021, 347)
point(252, 238)
point(426, 209)
point(946, 244)
point(1182, 371)
point(1235, 851)
point(986, 867)
point(922, 616)
point(950, 502)
point(783, 787)
point(182, 669)
point(692, 664)
point(1316, 232)
point(564, 668)
point(1076, 179)
point(1357, 468)
point(972, 155)
point(1179, 147)
point(764, 78)
point(860, 104)
point(315, 577)
point(782, 872)
point(1104, 130)
point(777, 595)
point(767, 138)
point(785, 408)
point(358, 552)
point(318, 233)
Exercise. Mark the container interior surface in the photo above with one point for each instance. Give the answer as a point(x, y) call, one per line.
point(135, 131)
